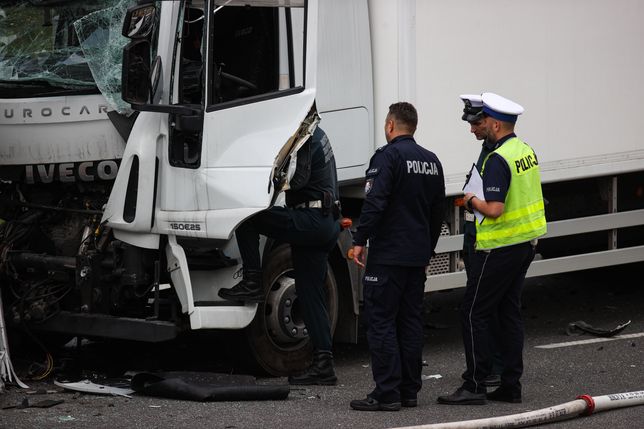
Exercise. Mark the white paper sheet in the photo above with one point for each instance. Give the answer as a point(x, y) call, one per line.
point(474, 185)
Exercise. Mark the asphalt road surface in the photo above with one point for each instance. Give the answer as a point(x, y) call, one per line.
point(553, 375)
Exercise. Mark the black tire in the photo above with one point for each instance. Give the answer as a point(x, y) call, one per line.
point(280, 348)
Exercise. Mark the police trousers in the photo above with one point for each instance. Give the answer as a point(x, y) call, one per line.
point(469, 252)
point(494, 290)
point(312, 235)
point(393, 312)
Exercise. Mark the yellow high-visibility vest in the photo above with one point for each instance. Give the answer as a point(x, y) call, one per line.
point(523, 217)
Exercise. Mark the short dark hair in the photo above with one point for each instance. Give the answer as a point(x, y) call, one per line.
point(405, 114)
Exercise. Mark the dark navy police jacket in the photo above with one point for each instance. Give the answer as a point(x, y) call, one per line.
point(315, 173)
point(404, 205)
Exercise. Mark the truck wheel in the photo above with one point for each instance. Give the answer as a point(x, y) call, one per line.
point(277, 336)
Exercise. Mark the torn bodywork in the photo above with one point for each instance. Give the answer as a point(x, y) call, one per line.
point(286, 160)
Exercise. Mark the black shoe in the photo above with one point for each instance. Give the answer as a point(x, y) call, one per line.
point(321, 371)
point(370, 404)
point(503, 394)
point(248, 290)
point(463, 397)
point(492, 380)
point(409, 402)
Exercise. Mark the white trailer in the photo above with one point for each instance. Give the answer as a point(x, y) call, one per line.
point(575, 67)
point(226, 91)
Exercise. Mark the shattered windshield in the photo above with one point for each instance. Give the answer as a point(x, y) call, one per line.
point(53, 47)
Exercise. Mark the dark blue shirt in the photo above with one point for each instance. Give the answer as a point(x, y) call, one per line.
point(469, 228)
point(496, 175)
point(404, 204)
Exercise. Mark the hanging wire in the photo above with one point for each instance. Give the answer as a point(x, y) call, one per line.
point(217, 9)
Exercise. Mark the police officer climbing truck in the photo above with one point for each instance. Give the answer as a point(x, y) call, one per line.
point(401, 217)
point(309, 224)
point(505, 245)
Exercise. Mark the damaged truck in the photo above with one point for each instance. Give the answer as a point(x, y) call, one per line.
point(136, 136)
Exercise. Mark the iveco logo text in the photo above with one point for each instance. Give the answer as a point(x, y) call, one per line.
point(45, 112)
point(68, 172)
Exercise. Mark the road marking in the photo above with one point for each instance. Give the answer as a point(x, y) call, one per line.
point(594, 340)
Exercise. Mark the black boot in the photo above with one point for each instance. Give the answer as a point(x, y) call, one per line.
point(321, 371)
point(248, 290)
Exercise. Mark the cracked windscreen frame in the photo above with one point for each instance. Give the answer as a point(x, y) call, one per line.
point(58, 47)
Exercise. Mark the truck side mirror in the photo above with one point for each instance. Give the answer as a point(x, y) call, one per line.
point(139, 21)
point(136, 72)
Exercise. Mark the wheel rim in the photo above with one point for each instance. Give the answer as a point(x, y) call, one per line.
point(273, 345)
point(284, 322)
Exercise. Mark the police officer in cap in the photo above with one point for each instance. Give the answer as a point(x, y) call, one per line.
point(309, 224)
point(401, 218)
point(473, 115)
point(505, 241)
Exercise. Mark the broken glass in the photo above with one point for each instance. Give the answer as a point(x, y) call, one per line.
point(102, 44)
point(62, 47)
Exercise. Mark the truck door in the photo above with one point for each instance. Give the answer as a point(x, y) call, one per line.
point(258, 75)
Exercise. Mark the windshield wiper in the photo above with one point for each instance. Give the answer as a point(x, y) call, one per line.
point(40, 88)
point(42, 83)
point(30, 82)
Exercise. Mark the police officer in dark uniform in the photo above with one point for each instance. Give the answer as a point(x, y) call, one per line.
point(473, 115)
point(401, 217)
point(309, 224)
point(514, 217)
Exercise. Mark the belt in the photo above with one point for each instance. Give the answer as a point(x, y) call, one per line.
point(532, 243)
point(317, 204)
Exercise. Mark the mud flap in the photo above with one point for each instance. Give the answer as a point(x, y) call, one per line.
point(178, 269)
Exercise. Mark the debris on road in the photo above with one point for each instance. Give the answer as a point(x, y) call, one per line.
point(42, 391)
point(66, 419)
point(86, 386)
point(580, 327)
point(206, 386)
point(47, 403)
point(429, 377)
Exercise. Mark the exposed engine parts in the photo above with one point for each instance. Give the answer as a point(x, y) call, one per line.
point(57, 261)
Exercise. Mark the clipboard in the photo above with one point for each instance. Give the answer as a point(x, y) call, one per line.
point(474, 185)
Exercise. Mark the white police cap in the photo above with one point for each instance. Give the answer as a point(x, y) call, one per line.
point(474, 99)
point(473, 109)
point(500, 107)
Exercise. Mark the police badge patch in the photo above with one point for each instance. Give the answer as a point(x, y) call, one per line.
point(367, 186)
